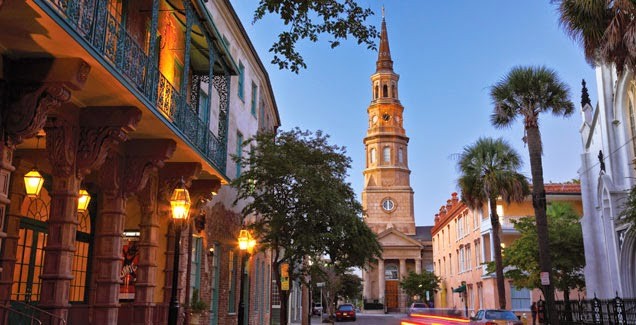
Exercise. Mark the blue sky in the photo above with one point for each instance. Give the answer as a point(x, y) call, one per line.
point(448, 54)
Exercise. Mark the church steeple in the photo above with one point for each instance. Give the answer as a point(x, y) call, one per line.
point(387, 197)
point(384, 53)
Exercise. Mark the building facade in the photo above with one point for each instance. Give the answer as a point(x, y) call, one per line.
point(607, 175)
point(463, 243)
point(124, 99)
point(387, 197)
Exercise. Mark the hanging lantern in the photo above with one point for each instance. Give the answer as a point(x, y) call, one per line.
point(243, 239)
point(180, 202)
point(83, 200)
point(33, 182)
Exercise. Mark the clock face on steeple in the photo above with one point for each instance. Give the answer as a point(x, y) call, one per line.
point(374, 119)
point(388, 205)
point(386, 117)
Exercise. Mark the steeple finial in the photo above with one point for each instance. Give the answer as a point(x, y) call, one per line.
point(585, 97)
point(384, 53)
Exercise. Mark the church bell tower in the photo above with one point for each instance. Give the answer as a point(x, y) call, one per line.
point(387, 197)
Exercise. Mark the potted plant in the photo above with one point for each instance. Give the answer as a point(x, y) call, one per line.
point(197, 306)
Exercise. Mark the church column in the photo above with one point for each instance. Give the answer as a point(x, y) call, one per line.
point(381, 285)
point(402, 295)
point(418, 265)
point(367, 283)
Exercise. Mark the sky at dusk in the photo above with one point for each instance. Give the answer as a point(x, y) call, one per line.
point(448, 54)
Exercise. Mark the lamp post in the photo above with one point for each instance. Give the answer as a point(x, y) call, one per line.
point(180, 206)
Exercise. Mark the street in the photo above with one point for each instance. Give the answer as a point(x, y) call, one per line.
point(382, 319)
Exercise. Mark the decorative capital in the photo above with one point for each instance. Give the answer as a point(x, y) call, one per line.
point(38, 85)
point(144, 156)
point(61, 145)
point(102, 129)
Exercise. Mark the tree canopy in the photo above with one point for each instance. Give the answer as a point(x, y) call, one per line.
point(306, 19)
point(417, 284)
point(628, 215)
point(294, 182)
point(566, 248)
point(605, 29)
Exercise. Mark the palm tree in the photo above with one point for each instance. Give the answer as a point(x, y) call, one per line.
point(489, 170)
point(526, 92)
point(605, 28)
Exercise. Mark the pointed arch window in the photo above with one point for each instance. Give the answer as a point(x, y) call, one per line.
point(393, 90)
point(386, 154)
point(376, 90)
point(385, 91)
point(632, 120)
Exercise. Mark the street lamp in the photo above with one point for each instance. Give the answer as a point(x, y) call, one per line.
point(33, 180)
point(83, 200)
point(180, 205)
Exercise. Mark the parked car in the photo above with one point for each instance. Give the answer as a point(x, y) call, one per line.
point(418, 308)
point(345, 311)
point(317, 310)
point(495, 317)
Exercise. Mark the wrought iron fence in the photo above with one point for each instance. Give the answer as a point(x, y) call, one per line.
point(91, 20)
point(616, 311)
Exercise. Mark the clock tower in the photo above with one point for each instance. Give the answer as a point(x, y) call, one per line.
point(387, 197)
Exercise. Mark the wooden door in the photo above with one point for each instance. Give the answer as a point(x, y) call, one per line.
point(391, 294)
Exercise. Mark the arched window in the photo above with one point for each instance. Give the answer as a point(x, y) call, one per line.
point(391, 272)
point(372, 156)
point(632, 120)
point(386, 154)
point(376, 90)
point(385, 91)
point(401, 155)
point(393, 90)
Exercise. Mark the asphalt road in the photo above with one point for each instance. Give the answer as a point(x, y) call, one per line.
point(388, 319)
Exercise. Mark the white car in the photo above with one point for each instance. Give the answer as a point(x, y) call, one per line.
point(317, 309)
point(418, 308)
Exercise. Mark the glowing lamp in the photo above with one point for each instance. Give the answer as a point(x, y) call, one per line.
point(33, 182)
point(244, 239)
point(180, 202)
point(83, 200)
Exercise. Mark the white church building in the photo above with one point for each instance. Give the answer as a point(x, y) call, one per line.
point(607, 174)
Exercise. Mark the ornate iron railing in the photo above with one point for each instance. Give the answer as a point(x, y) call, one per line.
point(91, 21)
point(597, 311)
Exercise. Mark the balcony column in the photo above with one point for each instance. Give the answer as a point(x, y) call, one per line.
point(492, 245)
point(124, 173)
point(37, 87)
point(366, 284)
point(141, 160)
point(482, 258)
point(381, 284)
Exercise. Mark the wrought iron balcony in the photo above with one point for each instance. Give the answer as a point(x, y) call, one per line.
point(130, 62)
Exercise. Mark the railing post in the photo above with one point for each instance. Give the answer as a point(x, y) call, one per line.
point(620, 317)
point(597, 311)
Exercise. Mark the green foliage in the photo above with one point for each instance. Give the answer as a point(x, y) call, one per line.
point(605, 29)
point(417, 284)
point(628, 215)
point(351, 287)
point(566, 249)
point(526, 92)
point(197, 305)
point(295, 181)
point(307, 19)
point(489, 169)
